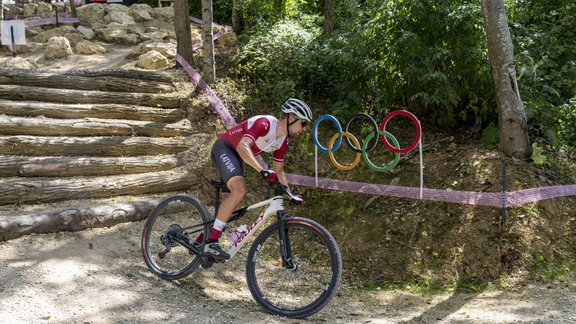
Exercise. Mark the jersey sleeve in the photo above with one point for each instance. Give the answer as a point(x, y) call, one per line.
point(278, 155)
point(259, 128)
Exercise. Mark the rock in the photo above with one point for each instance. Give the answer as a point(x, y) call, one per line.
point(91, 13)
point(120, 18)
point(64, 30)
point(44, 9)
point(58, 47)
point(164, 13)
point(86, 33)
point(141, 12)
point(153, 60)
point(19, 63)
point(29, 9)
point(117, 35)
point(168, 50)
point(88, 47)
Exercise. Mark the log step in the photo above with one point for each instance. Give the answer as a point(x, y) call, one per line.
point(75, 111)
point(98, 146)
point(75, 218)
point(22, 166)
point(116, 80)
point(15, 92)
point(10, 125)
point(43, 190)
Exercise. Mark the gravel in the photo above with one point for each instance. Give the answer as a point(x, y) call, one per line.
point(98, 276)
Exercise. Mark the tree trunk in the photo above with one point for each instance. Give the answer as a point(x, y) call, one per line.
point(182, 29)
point(514, 139)
point(73, 8)
point(237, 17)
point(329, 8)
point(209, 70)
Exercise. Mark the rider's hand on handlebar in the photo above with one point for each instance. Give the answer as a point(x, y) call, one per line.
point(298, 200)
point(269, 176)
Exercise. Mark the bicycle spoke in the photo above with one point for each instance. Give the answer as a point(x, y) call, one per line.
point(295, 292)
point(173, 225)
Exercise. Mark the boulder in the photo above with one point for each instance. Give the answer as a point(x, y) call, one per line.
point(153, 60)
point(88, 47)
point(19, 63)
point(91, 13)
point(58, 47)
point(86, 33)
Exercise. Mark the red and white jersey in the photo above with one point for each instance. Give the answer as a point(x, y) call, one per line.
point(262, 130)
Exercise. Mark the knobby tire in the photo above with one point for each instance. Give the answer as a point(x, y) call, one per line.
point(300, 292)
point(180, 217)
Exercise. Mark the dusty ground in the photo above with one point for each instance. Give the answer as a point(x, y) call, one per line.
point(99, 276)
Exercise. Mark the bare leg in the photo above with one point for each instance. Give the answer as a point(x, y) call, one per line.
point(230, 201)
point(237, 186)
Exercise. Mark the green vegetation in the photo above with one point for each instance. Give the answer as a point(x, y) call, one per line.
point(429, 57)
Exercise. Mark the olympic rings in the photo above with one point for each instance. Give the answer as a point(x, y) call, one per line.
point(396, 154)
point(315, 133)
point(361, 149)
point(356, 148)
point(414, 121)
point(372, 123)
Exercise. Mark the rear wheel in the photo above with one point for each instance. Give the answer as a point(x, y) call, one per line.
point(305, 285)
point(168, 240)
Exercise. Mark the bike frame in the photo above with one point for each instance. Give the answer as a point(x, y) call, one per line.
point(275, 207)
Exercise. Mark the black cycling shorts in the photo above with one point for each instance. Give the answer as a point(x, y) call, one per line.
point(227, 161)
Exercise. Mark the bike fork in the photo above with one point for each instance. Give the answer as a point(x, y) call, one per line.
point(285, 247)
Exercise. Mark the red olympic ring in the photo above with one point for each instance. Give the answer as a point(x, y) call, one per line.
point(414, 121)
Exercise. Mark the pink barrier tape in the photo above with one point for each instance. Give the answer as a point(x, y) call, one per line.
point(51, 21)
point(491, 199)
point(198, 21)
point(212, 98)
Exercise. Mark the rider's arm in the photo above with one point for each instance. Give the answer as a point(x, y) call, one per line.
point(244, 150)
point(279, 169)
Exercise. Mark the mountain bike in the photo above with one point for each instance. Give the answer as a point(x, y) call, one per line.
point(293, 267)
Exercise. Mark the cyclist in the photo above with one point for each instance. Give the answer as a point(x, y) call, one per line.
point(240, 145)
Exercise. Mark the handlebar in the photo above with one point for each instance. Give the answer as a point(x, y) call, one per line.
point(280, 189)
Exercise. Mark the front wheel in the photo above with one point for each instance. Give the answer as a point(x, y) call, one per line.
point(171, 229)
point(302, 286)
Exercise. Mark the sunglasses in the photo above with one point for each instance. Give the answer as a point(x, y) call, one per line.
point(303, 123)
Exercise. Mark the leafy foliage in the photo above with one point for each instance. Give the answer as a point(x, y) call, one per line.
point(276, 62)
point(428, 57)
point(544, 34)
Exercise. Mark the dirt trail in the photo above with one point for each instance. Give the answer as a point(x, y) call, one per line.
point(98, 276)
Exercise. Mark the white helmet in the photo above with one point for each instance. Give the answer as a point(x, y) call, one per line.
point(298, 108)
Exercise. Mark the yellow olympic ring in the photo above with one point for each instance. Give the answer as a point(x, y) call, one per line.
point(331, 154)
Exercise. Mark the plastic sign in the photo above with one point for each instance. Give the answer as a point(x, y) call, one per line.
point(13, 32)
